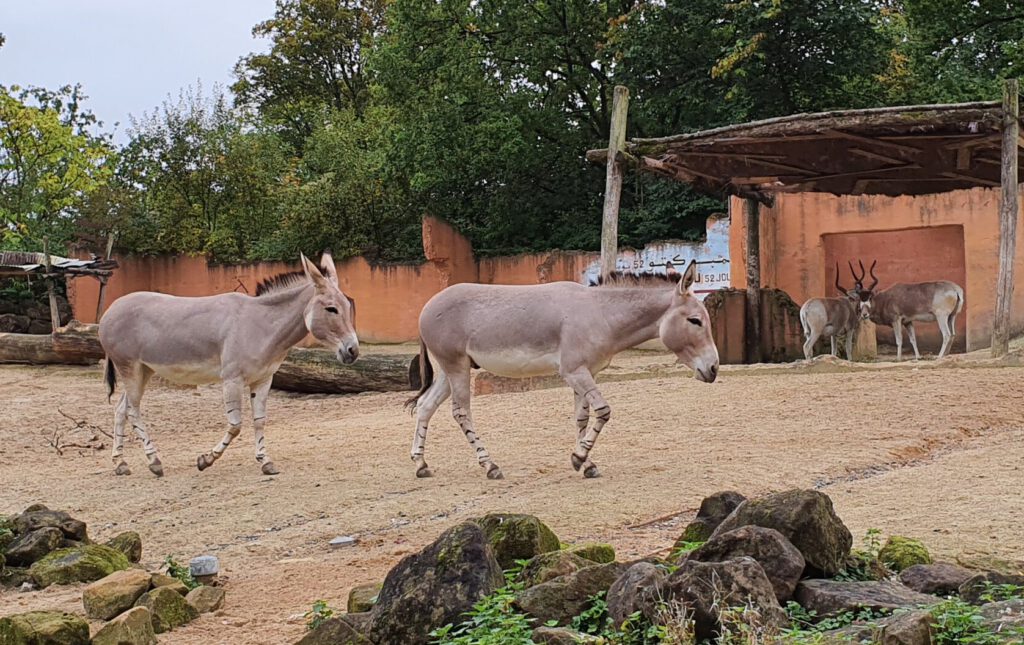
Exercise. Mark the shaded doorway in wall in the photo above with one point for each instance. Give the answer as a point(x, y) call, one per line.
point(906, 255)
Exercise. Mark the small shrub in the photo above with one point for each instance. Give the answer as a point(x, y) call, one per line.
point(181, 573)
point(957, 622)
point(864, 563)
point(317, 615)
point(492, 621)
point(998, 593)
point(682, 549)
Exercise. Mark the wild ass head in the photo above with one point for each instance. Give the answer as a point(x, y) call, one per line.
point(865, 295)
point(330, 314)
point(685, 329)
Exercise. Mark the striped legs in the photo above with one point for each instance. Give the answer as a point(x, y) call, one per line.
point(260, 393)
point(129, 408)
point(459, 379)
point(120, 417)
point(427, 405)
point(233, 392)
point(588, 399)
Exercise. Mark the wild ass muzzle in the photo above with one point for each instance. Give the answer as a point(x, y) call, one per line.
point(231, 338)
point(903, 304)
point(561, 328)
point(831, 317)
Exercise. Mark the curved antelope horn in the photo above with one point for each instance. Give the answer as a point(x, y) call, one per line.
point(842, 291)
point(857, 284)
point(873, 277)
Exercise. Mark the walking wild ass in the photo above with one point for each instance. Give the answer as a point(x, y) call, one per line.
point(232, 338)
point(560, 328)
point(904, 304)
point(831, 317)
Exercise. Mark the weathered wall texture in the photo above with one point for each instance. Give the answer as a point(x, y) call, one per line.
point(949, 236)
point(389, 297)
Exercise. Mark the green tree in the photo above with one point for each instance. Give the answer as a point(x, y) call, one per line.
point(48, 166)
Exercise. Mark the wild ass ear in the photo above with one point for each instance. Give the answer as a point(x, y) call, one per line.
point(313, 273)
point(327, 264)
point(689, 277)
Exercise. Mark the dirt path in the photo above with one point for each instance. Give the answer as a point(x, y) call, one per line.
point(935, 454)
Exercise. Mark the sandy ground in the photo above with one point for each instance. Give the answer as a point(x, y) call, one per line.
point(935, 454)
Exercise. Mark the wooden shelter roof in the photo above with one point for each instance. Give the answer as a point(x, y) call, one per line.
point(19, 263)
point(909, 150)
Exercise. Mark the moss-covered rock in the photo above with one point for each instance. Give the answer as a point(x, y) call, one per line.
point(133, 627)
point(901, 553)
point(551, 565)
point(565, 597)
point(44, 628)
point(168, 608)
point(335, 631)
point(115, 593)
point(6, 532)
point(129, 543)
point(14, 577)
point(517, 537)
point(362, 598)
point(81, 564)
point(164, 580)
point(713, 510)
point(595, 552)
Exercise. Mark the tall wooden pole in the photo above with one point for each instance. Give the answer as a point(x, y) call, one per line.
point(1008, 212)
point(102, 299)
point(753, 323)
point(613, 181)
point(54, 314)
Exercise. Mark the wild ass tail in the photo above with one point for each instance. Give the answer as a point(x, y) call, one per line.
point(110, 376)
point(426, 375)
point(803, 322)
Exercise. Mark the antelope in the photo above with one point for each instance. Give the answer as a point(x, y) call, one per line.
point(231, 338)
point(904, 304)
point(562, 328)
point(831, 317)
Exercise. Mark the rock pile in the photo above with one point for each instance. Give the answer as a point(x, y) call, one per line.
point(752, 557)
point(40, 547)
point(30, 316)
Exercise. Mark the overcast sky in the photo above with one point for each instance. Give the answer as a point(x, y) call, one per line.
point(128, 54)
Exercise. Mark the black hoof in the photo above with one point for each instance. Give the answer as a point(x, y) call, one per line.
point(577, 462)
point(157, 468)
point(203, 462)
point(423, 472)
point(590, 472)
point(270, 469)
point(494, 472)
point(122, 469)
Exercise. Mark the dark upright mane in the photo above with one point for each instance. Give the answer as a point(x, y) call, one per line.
point(620, 279)
point(280, 282)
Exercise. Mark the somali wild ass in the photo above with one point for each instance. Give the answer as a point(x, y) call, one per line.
point(232, 338)
point(831, 317)
point(562, 328)
point(904, 304)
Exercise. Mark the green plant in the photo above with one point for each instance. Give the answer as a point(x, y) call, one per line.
point(957, 622)
point(318, 614)
point(594, 619)
point(492, 621)
point(998, 593)
point(181, 573)
point(863, 563)
point(684, 548)
point(804, 624)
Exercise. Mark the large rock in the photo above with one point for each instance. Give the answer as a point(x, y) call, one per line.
point(335, 631)
point(830, 597)
point(14, 577)
point(595, 552)
point(6, 532)
point(979, 585)
point(1001, 617)
point(362, 598)
point(31, 520)
point(79, 564)
point(781, 561)
point(713, 510)
point(168, 609)
point(517, 537)
point(551, 565)
point(44, 628)
point(133, 627)
point(205, 598)
point(940, 579)
point(164, 580)
point(115, 593)
point(901, 553)
point(633, 590)
point(129, 543)
point(806, 518)
point(32, 546)
point(565, 597)
point(435, 586)
point(910, 628)
point(708, 588)
point(563, 636)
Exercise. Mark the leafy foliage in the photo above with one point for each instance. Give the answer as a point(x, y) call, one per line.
point(492, 621)
point(182, 573)
point(316, 616)
point(864, 563)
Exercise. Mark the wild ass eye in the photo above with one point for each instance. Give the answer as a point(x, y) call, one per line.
point(333, 310)
point(696, 321)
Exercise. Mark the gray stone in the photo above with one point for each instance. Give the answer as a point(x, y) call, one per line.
point(517, 537)
point(133, 627)
point(781, 561)
point(564, 597)
point(633, 590)
point(1003, 616)
point(940, 579)
point(978, 585)
point(713, 510)
point(551, 565)
point(563, 636)
point(435, 587)
point(337, 631)
point(204, 565)
point(31, 520)
point(830, 597)
point(32, 546)
point(910, 628)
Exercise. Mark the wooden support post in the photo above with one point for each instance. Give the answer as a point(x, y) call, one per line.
point(753, 323)
point(613, 181)
point(54, 313)
point(101, 300)
point(1008, 213)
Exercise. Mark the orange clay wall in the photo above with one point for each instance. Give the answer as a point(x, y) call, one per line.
point(949, 236)
point(388, 297)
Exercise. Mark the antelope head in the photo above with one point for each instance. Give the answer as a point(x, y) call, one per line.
point(864, 294)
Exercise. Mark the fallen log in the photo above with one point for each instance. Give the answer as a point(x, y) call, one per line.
point(304, 370)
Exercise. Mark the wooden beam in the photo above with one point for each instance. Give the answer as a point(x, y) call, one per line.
point(54, 313)
point(1008, 213)
point(852, 173)
point(839, 134)
point(753, 321)
point(101, 300)
point(976, 180)
point(963, 158)
point(975, 142)
point(876, 156)
point(613, 181)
